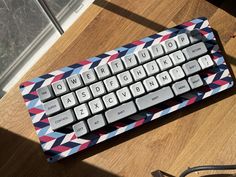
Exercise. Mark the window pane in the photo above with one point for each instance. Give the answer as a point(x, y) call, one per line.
point(20, 23)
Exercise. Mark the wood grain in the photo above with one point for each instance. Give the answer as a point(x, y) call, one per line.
point(202, 134)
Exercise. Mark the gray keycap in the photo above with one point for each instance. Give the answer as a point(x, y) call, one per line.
point(163, 78)
point(62, 119)
point(111, 83)
point(180, 87)
point(82, 111)
point(205, 61)
point(182, 40)
point(60, 87)
point(164, 62)
point(156, 50)
point(103, 71)
point(150, 83)
point(176, 73)
point(130, 61)
point(137, 89)
point(84, 94)
point(96, 122)
point(195, 81)
point(151, 68)
point(80, 129)
point(154, 98)
point(120, 112)
point(96, 105)
point(89, 76)
point(194, 50)
point(98, 89)
point(69, 100)
point(143, 55)
point(177, 57)
point(191, 67)
point(138, 73)
point(45, 93)
point(123, 94)
point(116, 66)
point(110, 100)
point(53, 106)
point(170, 45)
point(74, 82)
point(125, 78)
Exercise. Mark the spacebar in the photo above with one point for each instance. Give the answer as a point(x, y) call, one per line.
point(154, 98)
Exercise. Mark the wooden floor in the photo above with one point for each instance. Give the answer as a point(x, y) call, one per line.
point(204, 133)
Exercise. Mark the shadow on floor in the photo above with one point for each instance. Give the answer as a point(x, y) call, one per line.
point(22, 157)
point(226, 5)
point(129, 15)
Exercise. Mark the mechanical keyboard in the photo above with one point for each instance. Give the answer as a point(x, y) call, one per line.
point(84, 104)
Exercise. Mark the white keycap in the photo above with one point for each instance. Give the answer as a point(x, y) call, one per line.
point(151, 68)
point(205, 61)
point(74, 82)
point(137, 89)
point(103, 71)
point(180, 87)
point(195, 36)
point(138, 73)
point(111, 83)
point(194, 50)
point(191, 67)
point(82, 111)
point(61, 120)
point(98, 89)
point(45, 93)
point(89, 77)
point(170, 45)
point(96, 122)
point(164, 62)
point(60, 87)
point(80, 129)
point(96, 105)
point(143, 55)
point(153, 98)
point(110, 100)
point(52, 106)
point(156, 50)
point(177, 57)
point(130, 61)
point(176, 73)
point(120, 112)
point(69, 100)
point(123, 94)
point(163, 78)
point(195, 81)
point(182, 40)
point(150, 83)
point(125, 78)
point(83, 94)
point(116, 66)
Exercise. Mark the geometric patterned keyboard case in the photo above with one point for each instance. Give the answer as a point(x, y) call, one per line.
point(57, 145)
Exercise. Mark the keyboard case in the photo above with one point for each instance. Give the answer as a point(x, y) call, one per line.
point(57, 145)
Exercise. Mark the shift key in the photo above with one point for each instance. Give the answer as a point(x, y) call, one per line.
point(120, 112)
point(154, 98)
